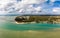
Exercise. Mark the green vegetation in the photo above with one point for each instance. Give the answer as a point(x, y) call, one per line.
point(37, 19)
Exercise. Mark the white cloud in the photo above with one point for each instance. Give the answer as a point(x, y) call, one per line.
point(56, 10)
point(52, 0)
point(32, 1)
point(5, 2)
point(38, 8)
point(24, 6)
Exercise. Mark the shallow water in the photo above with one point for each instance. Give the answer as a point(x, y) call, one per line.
point(34, 26)
point(37, 30)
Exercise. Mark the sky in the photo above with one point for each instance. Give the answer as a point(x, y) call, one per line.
point(19, 7)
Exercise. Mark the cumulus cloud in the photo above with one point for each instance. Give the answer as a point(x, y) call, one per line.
point(33, 1)
point(12, 6)
point(52, 0)
point(56, 10)
point(23, 6)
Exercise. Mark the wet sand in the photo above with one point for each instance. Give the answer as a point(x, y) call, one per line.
point(12, 30)
point(55, 33)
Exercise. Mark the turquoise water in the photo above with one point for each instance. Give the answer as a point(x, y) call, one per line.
point(35, 26)
point(9, 29)
point(37, 30)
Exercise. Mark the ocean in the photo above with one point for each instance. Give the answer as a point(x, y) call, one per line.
point(29, 26)
point(29, 30)
point(36, 30)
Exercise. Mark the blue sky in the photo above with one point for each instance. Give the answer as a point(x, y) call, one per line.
point(17, 7)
